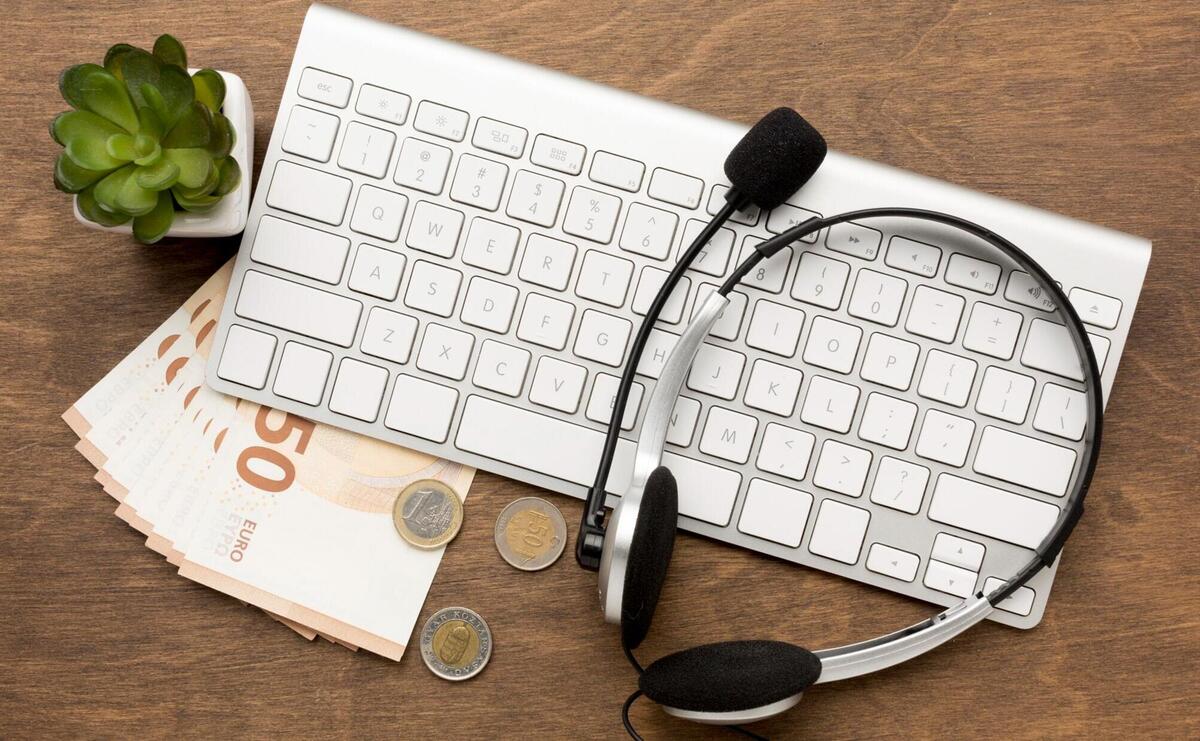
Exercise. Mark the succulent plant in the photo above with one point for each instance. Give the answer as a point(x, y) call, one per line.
point(144, 138)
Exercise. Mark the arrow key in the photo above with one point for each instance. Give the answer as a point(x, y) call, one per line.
point(893, 562)
point(957, 551)
point(950, 579)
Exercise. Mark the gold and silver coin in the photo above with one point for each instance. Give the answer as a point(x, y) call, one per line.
point(531, 533)
point(456, 643)
point(427, 514)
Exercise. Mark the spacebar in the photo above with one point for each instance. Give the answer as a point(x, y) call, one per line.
point(570, 452)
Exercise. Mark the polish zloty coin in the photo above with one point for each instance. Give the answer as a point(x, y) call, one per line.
point(456, 643)
point(427, 514)
point(531, 533)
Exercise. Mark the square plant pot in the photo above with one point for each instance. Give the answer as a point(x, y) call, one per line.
point(229, 216)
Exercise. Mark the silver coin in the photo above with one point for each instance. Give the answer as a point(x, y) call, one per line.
point(456, 643)
point(531, 534)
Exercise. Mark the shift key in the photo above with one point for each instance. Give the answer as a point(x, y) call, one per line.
point(298, 308)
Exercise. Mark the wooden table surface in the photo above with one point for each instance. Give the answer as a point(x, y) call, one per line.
point(1088, 109)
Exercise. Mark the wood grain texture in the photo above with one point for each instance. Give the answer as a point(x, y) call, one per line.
point(1089, 109)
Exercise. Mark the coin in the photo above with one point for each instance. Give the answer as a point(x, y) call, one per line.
point(456, 643)
point(427, 514)
point(531, 533)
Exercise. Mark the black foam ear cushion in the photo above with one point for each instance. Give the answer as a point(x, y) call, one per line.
point(649, 555)
point(730, 676)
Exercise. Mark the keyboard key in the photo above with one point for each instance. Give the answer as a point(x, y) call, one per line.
point(716, 202)
point(785, 451)
point(944, 577)
point(912, 256)
point(366, 150)
point(1095, 308)
point(729, 321)
point(247, 357)
point(619, 172)
point(439, 120)
point(839, 531)
point(887, 421)
point(499, 137)
point(1061, 411)
point(728, 434)
point(648, 231)
point(775, 328)
point(969, 272)
point(658, 349)
point(422, 166)
point(785, 216)
point(934, 314)
point(489, 304)
point(820, 280)
point(945, 437)
point(770, 274)
point(893, 562)
point(545, 321)
point(991, 512)
point(674, 187)
point(422, 408)
point(302, 373)
point(602, 337)
point(899, 485)
point(479, 182)
point(877, 297)
point(307, 192)
point(324, 87)
point(829, 404)
point(535, 198)
point(890, 361)
point(300, 249)
point(297, 308)
point(1019, 602)
point(378, 213)
point(557, 384)
point(776, 513)
point(604, 278)
point(956, 551)
point(713, 258)
point(376, 272)
point(716, 371)
point(310, 133)
point(684, 417)
point(1049, 347)
point(832, 344)
point(490, 245)
point(947, 378)
point(434, 229)
point(558, 154)
point(992, 330)
point(547, 262)
point(1004, 395)
point(1024, 290)
point(842, 468)
point(649, 284)
point(358, 389)
point(592, 215)
point(1044, 466)
point(433, 288)
point(773, 388)
point(501, 368)
point(383, 104)
point(604, 395)
point(389, 335)
point(445, 351)
point(854, 239)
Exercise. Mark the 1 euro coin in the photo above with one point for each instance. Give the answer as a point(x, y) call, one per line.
point(531, 534)
point(456, 643)
point(428, 514)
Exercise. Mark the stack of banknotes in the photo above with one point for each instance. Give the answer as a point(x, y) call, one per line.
point(287, 515)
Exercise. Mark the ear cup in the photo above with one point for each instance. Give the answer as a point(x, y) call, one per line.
point(730, 676)
point(649, 555)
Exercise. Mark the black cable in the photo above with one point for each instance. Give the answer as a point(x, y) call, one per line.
point(632, 659)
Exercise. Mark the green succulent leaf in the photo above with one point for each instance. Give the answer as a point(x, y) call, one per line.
point(203, 189)
point(195, 165)
point(168, 49)
point(71, 178)
point(106, 190)
point(85, 136)
point(221, 143)
point(121, 147)
point(193, 131)
point(196, 203)
point(165, 88)
point(151, 124)
point(119, 191)
point(210, 88)
point(90, 87)
point(112, 59)
point(154, 224)
point(231, 175)
point(158, 176)
point(94, 212)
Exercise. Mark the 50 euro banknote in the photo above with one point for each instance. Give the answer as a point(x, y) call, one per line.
point(280, 512)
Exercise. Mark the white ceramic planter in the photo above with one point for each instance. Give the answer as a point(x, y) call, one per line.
point(229, 217)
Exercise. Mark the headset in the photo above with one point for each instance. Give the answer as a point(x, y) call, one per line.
point(735, 682)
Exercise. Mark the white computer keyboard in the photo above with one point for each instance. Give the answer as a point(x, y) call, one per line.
point(449, 250)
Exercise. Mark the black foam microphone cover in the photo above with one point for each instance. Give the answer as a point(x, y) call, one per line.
point(775, 157)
